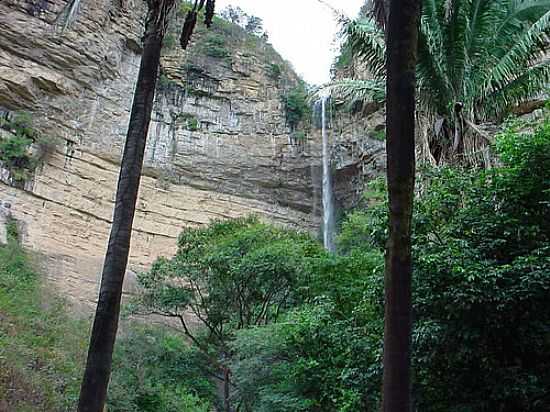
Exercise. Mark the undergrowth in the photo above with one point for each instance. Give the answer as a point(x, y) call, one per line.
point(43, 351)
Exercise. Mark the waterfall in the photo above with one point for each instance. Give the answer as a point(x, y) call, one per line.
point(69, 13)
point(328, 200)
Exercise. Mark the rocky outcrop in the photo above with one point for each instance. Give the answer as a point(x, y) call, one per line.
point(218, 145)
point(358, 154)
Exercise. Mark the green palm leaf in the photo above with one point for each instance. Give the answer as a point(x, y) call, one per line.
point(366, 39)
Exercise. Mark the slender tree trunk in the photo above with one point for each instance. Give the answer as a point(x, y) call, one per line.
point(98, 367)
point(226, 401)
point(402, 36)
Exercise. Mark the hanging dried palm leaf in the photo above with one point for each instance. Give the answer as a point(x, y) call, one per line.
point(191, 20)
point(188, 27)
point(209, 15)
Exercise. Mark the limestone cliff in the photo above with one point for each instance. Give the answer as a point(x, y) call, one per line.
point(218, 144)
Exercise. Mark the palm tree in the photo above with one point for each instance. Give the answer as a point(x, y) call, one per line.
point(402, 40)
point(93, 391)
point(478, 60)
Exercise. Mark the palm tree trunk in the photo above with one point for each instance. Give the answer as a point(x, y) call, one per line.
point(98, 367)
point(402, 36)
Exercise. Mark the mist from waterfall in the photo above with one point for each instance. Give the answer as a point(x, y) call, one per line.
point(328, 196)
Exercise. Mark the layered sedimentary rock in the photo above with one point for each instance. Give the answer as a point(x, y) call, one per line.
point(218, 145)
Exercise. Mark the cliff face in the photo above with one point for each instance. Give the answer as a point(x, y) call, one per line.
point(218, 144)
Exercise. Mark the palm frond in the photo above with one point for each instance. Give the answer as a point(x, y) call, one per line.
point(367, 41)
point(529, 46)
point(526, 86)
point(524, 10)
point(354, 94)
point(455, 34)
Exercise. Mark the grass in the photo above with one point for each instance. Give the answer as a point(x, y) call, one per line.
point(41, 348)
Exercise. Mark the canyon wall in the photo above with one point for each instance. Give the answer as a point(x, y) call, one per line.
point(218, 147)
point(218, 144)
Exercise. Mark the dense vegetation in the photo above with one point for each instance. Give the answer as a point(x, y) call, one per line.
point(294, 328)
point(42, 351)
point(290, 327)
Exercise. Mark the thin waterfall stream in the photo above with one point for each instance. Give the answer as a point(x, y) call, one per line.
point(328, 199)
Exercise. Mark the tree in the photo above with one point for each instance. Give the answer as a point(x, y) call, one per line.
point(235, 15)
point(98, 365)
point(481, 278)
point(402, 39)
point(230, 275)
point(478, 60)
point(254, 25)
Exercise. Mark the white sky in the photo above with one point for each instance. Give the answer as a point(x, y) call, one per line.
point(302, 31)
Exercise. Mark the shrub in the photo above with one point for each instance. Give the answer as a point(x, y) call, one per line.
point(296, 106)
point(15, 150)
point(16, 157)
point(378, 135)
point(191, 122)
point(155, 371)
point(214, 45)
point(43, 349)
point(481, 279)
point(275, 71)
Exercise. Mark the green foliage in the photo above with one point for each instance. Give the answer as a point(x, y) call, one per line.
point(481, 280)
point(15, 156)
point(486, 56)
point(344, 58)
point(214, 45)
point(12, 231)
point(324, 355)
point(155, 371)
point(42, 353)
point(379, 135)
point(41, 348)
point(241, 272)
point(20, 124)
point(191, 122)
point(15, 150)
point(301, 329)
point(275, 71)
point(296, 106)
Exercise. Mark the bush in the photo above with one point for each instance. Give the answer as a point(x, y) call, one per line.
point(16, 154)
point(155, 371)
point(41, 348)
point(324, 355)
point(275, 71)
point(214, 46)
point(191, 122)
point(481, 280)
point(16, 157)
point(296, 106)
point(481, 284)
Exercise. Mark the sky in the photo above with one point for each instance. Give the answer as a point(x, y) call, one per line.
point(302, 31)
